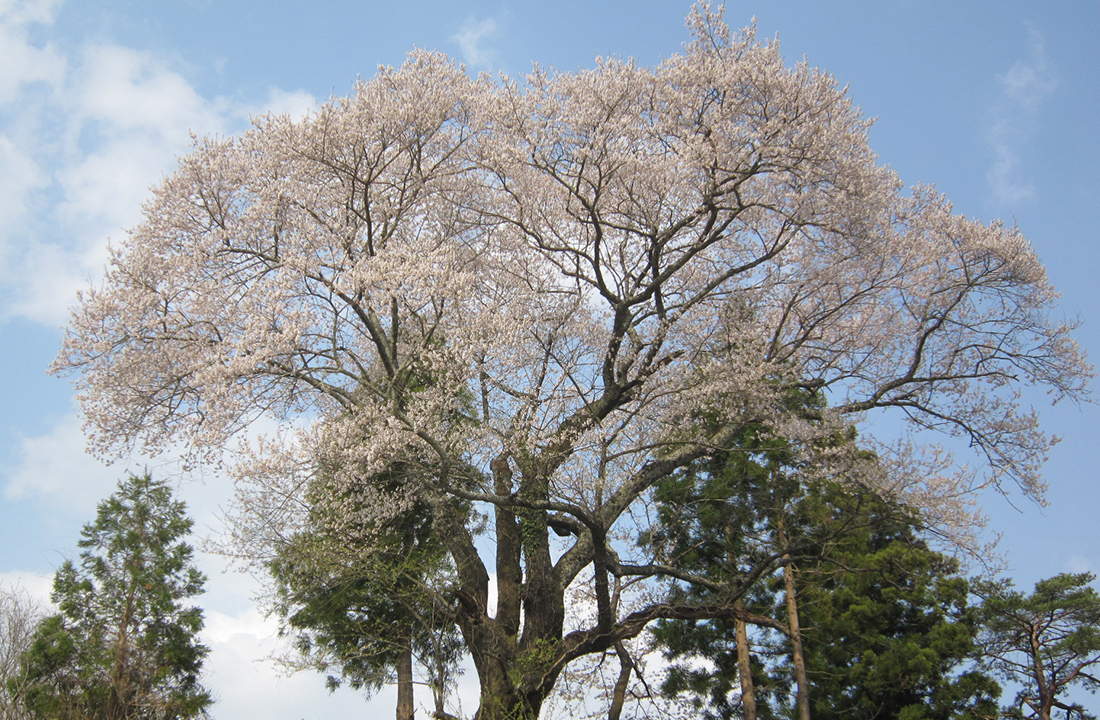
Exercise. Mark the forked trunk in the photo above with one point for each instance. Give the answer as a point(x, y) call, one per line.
point(513, 682)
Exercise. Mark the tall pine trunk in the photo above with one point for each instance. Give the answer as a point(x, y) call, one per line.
point(744, 667)
point(797, 657)
point(405, 705)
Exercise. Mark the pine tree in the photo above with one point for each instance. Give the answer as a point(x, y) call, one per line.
point(366, 616)
point(124, 645)
point(1048, 641)
point(888, 632)
point(864, 621)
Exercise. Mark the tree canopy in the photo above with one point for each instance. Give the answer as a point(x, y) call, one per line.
point(549, 294)
point(880, 620)
point(1048, 641)
point(124, 644)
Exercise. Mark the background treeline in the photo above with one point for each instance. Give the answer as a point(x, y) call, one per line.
point(862, 620)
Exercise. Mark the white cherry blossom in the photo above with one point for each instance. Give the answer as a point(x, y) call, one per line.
point(534, 290)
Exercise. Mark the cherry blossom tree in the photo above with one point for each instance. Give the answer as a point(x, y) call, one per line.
point(542, 296)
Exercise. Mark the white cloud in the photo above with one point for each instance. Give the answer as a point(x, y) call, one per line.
point(1003, 175)
point(471, 39)
point(1029, 81)
point(104, 189)
point(55, 470)
point(20, 177)
point(130, 91)
point(22, 12)
point(82, 140)
point(1023, 88)
point(22, 64)
point(119, 128)
point(55, 467)
point(297, 104)
point(21, 61)
point(46, 279)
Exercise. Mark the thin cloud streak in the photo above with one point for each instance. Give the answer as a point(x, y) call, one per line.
point(1023, 90)
point(472, 38)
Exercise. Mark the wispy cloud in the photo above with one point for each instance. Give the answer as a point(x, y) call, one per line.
point(1023, 89)
point(472, 39)
point(55, 468)
point(23, 61)
point(1029, 81)
point(27, 11)
point(84, 132)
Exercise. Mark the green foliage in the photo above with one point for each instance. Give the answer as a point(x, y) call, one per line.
point(123, 646)
point(1048, 641)
point(354, 607)
point(714, 513)
point(887, 631)
point(885, 628)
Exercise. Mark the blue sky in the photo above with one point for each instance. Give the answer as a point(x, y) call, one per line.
point(996, 103)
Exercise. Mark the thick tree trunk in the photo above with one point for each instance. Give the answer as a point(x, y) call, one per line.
point(799, 660)
point(501, 699)
point(515, 678)
point(405, 707)
point(543, 603)
point(744, 667)
point(509, 549)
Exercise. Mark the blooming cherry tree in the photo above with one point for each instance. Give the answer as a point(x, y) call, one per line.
point(538, 298)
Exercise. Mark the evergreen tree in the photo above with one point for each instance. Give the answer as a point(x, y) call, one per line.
point(124, 645)
point(362, 612)
point(888, 633)
point(1048, 641)
point(857, 619)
